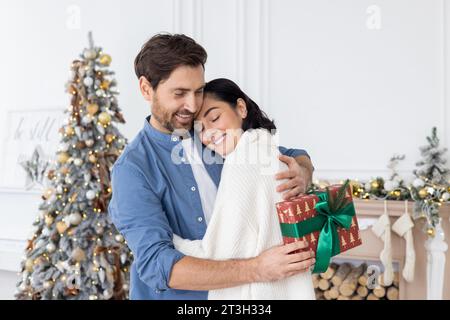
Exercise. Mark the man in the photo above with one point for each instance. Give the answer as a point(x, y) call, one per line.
point(153, 197)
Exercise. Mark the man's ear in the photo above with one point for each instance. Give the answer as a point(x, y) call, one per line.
point(241, 108)
point(146, 88)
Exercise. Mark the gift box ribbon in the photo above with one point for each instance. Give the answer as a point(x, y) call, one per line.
point(326, 221)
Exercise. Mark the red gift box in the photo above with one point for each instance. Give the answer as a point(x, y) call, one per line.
point(302, 208)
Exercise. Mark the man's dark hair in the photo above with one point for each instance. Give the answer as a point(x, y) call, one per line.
point(163, 53)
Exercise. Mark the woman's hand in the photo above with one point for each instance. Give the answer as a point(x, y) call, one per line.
point(299, 178)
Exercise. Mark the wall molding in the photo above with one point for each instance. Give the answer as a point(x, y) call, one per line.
point(11, 253)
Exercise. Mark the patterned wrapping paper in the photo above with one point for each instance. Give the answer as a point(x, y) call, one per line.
point(302, 208)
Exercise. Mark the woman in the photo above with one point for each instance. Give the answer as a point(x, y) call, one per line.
point(244, 221)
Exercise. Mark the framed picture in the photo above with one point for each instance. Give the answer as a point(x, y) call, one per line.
point(29, 135)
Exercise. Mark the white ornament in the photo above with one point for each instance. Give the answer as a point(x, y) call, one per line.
point(107, 294)
point(430, 190)
point(123, 258)
point(89, 54)
point(418, 183)
point(93, 297)
point(78, 162)
point(59, 189)
point(68, 180)
point(99, 93)
point(90, 195)
point(64, 147)
point(101, 275)
point(50, 247)
point(446, 196)
point(395, 184)
point(367, 186)
point(46, 232)
point(75, 218)
point(89, 142)
point(119, 238)
point(87, 119)
point(125, 287)
point(88, 81)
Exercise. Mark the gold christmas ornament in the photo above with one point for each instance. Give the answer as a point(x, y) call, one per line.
point(70, 131)
point(105, 85)
point(374, 185)
point(430, 232)
point(109, 138)
point(104, 118)
point(29, 265)
point(105, 59)
point(63, 157)
point(61, 226)
point(48, 220)
point(92, 108)
point(78, 255)
point(423, 193)
point(92, 158)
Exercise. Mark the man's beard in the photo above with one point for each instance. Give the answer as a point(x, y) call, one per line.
point(167, 120)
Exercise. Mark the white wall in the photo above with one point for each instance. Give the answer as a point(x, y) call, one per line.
point(349, 90)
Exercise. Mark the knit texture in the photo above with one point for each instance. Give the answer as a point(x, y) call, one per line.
point(244, 221)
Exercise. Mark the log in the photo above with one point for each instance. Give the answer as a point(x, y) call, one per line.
point(379, 291)
point(357, 297)
point(362, 291)
point(371, 296)
point(319, 295)
point(362, 280)
point(341, 273)
point(349, 285)
point(396, 280)
point(392, 293)
point(324, 284)
point(329, 273)
point(341, 297)
point(326, 295)
point(334, 292)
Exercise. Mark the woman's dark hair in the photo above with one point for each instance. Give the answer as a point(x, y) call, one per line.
point(227, 91)
point(163, 53)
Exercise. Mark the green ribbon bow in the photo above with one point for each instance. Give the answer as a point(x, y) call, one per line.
point(331, 215)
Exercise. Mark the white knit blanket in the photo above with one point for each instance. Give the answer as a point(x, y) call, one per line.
point(244, 221)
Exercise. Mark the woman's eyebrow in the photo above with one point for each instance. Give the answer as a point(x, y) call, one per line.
point(210, 109)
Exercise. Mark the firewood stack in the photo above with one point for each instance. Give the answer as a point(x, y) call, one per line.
point(347, 282)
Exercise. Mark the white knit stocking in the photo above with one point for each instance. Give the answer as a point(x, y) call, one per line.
point(382, 229)
point(403, 227)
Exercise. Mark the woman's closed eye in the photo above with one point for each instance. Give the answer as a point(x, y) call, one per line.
point(216, 118)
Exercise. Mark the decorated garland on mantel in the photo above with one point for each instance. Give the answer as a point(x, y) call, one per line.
point(429, 189)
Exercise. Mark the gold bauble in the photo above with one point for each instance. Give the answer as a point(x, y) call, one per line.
point(92, 158)
point(48, 220)
point(92, 108)
point(63, 157)
point(374, 185)
point(70, 131)
point(105, 59)
point(109, 138)
point(423, 193)
point(104, 85)
point(78, 255)
point(61, 226)
point(104, 118)
point(29, 265)
point(64, 170)
point(430, 232)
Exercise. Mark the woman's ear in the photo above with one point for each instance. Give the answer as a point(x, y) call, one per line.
point(241, 108)
point(146, 88)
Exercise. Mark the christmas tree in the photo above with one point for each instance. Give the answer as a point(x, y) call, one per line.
point(430, 187)
point(74, 251)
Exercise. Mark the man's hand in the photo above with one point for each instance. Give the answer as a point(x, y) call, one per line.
point(276, 263)
point(299, 176)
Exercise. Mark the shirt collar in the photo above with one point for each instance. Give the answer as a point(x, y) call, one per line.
point(168, 138)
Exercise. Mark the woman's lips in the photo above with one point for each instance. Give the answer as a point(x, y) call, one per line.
point(219, 141)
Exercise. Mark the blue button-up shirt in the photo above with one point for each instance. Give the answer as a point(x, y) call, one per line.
point(152, 198)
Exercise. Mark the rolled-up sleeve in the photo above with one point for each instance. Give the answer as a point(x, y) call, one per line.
point(138, 215)
point(293, 152)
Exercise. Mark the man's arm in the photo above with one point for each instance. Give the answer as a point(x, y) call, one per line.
point(273, 264)
point(299, 173)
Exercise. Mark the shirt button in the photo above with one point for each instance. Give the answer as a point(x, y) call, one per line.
point(183, 159)
point(193, 189)
point(174, 139)
point(199, 219)
point(157, 291)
